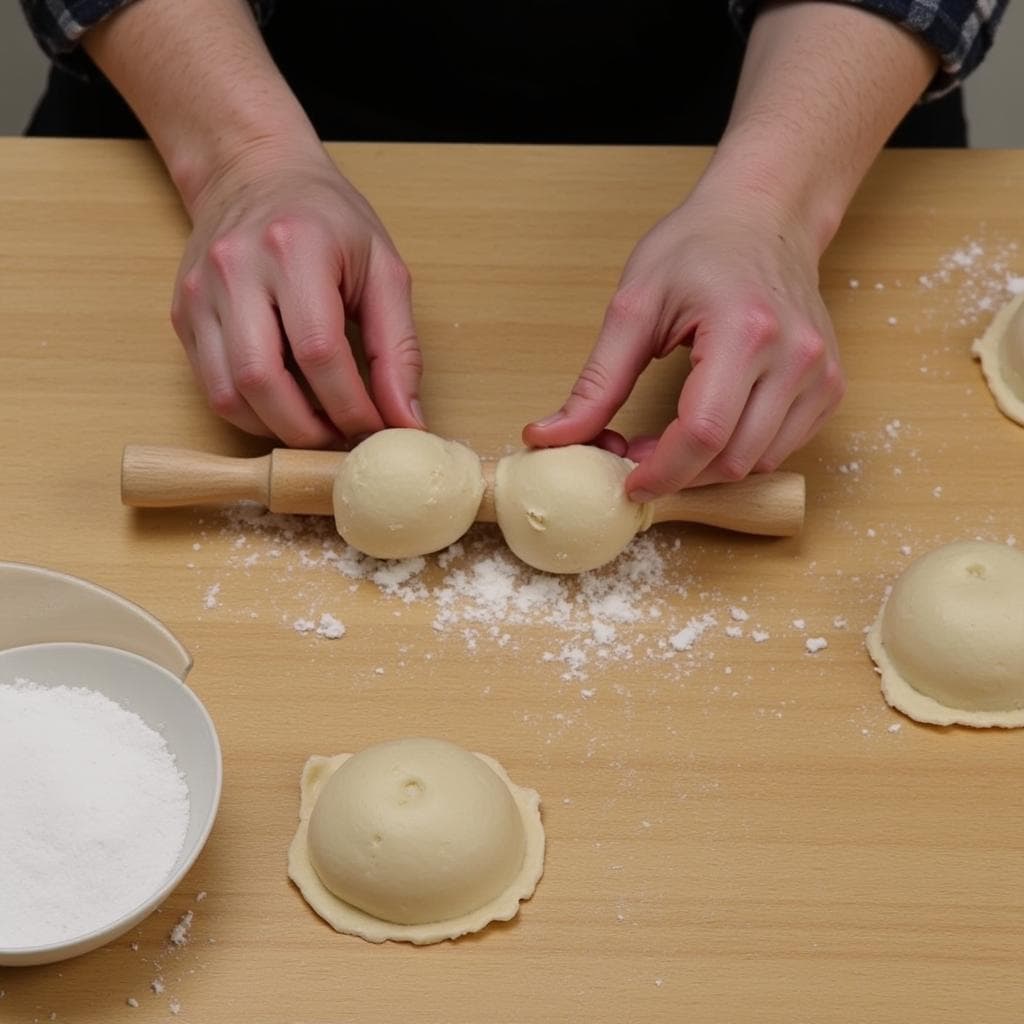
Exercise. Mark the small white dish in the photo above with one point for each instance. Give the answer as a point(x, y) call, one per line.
point(39, 605)
point(164, 703)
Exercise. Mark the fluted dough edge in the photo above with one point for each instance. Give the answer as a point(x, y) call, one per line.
point(345, 918)
point(899, 694)
point(986, 349)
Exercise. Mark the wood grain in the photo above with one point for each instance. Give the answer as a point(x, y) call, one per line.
point(735, 834)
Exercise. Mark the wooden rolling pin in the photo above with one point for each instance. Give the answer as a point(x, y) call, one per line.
point(301, 482)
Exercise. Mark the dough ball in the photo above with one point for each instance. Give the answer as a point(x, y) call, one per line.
point(406, 492)
point(949, 641)
point(415, 840)
point(1001, 351)
point(565, 509)
point(416, 831)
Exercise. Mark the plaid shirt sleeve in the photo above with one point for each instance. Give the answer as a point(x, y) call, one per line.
point(59, 25)
point(960, 31)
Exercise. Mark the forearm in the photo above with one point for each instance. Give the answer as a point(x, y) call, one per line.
point(200, 79)
point(823, 85)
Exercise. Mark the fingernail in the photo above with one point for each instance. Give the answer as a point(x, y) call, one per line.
point(548, 420)
point(641, 496)
point(417, 411)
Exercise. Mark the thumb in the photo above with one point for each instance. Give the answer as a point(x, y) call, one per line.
point(622, 351)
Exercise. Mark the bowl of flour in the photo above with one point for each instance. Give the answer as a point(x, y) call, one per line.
point(110, 778)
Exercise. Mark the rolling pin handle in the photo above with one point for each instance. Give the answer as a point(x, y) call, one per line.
point(153, 476)
point(771, 504)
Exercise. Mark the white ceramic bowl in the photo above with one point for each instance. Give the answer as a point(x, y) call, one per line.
point(42, 606)
point(164, 703)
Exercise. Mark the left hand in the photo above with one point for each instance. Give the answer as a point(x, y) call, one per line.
point(737, 279)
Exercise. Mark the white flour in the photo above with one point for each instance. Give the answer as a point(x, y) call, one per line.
point(94, 812)
point(978, 275)
point(475, 592)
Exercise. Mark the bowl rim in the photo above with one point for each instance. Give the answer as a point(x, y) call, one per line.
point(110, 931)
point(100, 595)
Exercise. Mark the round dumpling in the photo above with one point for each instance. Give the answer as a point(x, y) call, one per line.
point(406, 492)
point(949, 641)
point(565, 510)
point(415, 839)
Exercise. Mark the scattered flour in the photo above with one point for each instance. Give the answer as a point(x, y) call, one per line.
point(329, 627)
point(978, 274)
point(691, 632)
point(180, 932)
point(476, 591)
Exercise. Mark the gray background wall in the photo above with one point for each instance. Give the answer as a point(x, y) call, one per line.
point(996, 119)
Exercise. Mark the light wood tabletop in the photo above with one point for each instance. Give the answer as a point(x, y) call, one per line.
point(738, 830)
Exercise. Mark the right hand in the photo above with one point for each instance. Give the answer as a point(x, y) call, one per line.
point(282, 248)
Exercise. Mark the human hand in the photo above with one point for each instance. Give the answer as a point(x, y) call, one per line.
point(282, 248)
point(737, 280)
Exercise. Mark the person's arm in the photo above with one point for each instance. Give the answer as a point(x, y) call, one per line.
point(733, 270)
point(280, 238)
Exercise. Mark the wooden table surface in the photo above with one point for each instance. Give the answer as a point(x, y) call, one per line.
point(738, 832)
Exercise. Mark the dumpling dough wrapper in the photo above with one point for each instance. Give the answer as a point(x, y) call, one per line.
point(949, 640)
point(1001, 352)
point(415, 840)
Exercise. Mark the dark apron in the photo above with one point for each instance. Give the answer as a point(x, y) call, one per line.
point(571, 71)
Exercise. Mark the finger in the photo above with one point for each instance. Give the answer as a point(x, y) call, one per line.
point(641, 447)
point(314, 322)
point(213, 371)
point(710, 406)
point(254, 350)
point(765, 412)
point(622, 350)
point(389, 339)
point(611, 441)
point(805, 419)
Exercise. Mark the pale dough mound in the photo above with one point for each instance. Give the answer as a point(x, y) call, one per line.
point(1001, 351)
point(415, 840)
point(565, 509)
point(949, 641)
point(406, 492)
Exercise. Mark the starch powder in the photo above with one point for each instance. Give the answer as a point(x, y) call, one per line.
point(93, 808)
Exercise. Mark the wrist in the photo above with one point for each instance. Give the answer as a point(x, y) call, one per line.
point(773, 179)
point(199, 77)
point(199, 163)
